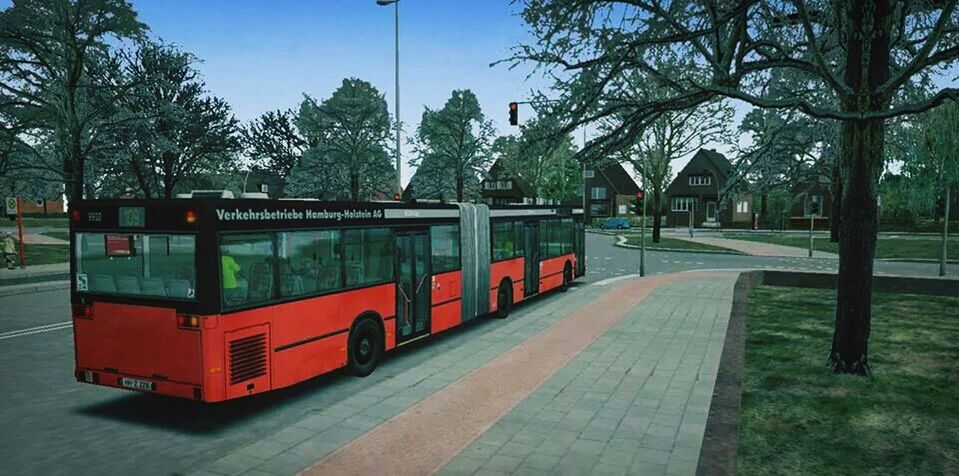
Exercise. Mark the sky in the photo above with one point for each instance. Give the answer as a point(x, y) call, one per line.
point(263, 55)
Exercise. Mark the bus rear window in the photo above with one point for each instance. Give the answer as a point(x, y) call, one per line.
point(149, 265)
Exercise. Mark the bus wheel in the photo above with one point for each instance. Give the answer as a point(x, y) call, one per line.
point(567, 277)
point(365, 347)
point(504, 300)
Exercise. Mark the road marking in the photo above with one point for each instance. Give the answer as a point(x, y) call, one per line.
point(613, 280)
point(36, 330)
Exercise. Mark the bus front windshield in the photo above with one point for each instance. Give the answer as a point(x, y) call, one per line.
point(149, 265)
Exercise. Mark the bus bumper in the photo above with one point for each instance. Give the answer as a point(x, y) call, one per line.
point(140, 384)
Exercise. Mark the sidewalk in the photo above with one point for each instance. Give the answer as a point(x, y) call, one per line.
point(34, 273)
point(603, 380)
point(757, 248)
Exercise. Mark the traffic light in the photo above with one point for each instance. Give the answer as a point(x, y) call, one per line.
point(513, 114)
point(637, 204)
point(814, 208)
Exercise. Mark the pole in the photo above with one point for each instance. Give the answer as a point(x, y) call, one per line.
point(586, 214)
point(642, 230)
point(691, 205)
point(945, 237)
point(23, 259)
point(396, 29)
point(812, 219)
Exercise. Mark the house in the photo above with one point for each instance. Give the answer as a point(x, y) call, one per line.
point(695, 192)
point(812, 194)
point(502, 188)
point(611, 191)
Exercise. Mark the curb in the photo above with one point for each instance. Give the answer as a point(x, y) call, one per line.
point(621, 242)
point(35, 278)
point(917, 260)
point(33, 287)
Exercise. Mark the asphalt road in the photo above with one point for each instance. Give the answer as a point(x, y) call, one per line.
point(53, 425)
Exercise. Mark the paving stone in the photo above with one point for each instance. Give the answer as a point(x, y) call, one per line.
point(647, 455)
point(607, 470)
point(541, 461)
point(235, 463)
point(502, 463)
point(462, 466)
point(513, 448)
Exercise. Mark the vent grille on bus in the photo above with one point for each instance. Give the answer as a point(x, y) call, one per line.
point(247, 358)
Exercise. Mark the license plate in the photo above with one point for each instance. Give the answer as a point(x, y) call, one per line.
point(136, 384)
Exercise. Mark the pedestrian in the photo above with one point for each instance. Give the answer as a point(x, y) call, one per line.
point(9, 250)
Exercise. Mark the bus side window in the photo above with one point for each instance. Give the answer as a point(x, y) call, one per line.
point(247, 267)
point(369, 256)
point(314, 262)
point(518, 246)
point(503, 241)
point(445, 248)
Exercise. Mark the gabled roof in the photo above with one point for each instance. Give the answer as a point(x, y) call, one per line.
point(498, 171)
point(619, 179)
point(704, 161)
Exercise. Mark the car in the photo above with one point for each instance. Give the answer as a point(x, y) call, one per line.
point(614, 223)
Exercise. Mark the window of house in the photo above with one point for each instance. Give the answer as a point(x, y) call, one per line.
point(700, 180)
point(742, 206)
point(509, 185)
point(597, 193)
point(683, 204)
point(589, 174)
point(599, 209)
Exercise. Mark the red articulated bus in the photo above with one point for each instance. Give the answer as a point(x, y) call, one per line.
point(218, 298)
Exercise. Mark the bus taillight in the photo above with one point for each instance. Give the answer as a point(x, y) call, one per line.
point(190, 216)
point(75, 214)
point(82, 311)
point(184, 321)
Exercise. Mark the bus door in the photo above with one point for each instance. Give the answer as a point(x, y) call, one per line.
point(413, 286)
point(531, 252)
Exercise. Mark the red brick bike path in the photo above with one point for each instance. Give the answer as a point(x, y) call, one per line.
point(428, 435)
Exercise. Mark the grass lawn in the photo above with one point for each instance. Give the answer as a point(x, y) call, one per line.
point(797, 418)
point(63, 235)
point(47, 254)
point(41, 222)
point(673, 243)
point(885, 247)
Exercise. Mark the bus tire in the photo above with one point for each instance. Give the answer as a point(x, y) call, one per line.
point(365, 347)
point(504, 300)
point(567, 277)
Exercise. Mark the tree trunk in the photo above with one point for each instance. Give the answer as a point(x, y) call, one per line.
point(862, 144)
point(867, 67)
point(459, 188)
point(657, 216)
point(763, 210)
point(354, 186)
point(836, 212)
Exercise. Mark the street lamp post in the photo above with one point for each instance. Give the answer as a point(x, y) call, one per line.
point(396, 38)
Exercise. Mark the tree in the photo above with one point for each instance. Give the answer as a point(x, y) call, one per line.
point(541, 158)
point(453, 142)
point(933, 167)
point(47, 48)
point(175, 130)
point(274, 142)
point(854, 60)
point(672, 136)
point(348, 134)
